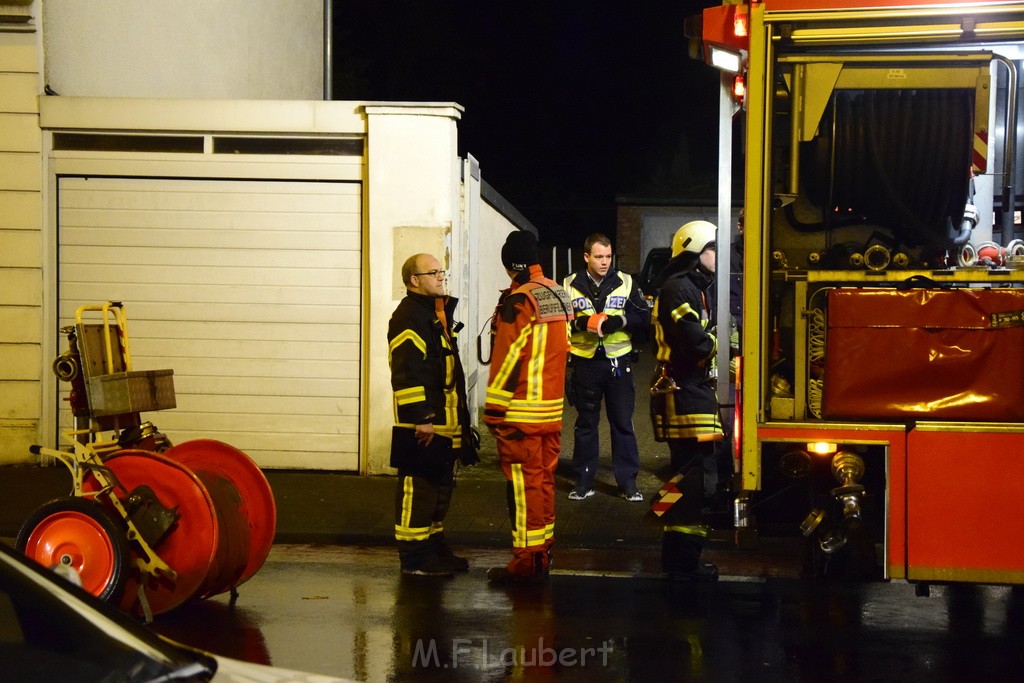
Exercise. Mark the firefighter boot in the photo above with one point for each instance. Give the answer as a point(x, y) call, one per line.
point(525, 568)
point(419, 558)
point(680, 558)
point(445, 554)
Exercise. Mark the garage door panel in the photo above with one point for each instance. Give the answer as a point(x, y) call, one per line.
point(235, 275)
point(312, 425)
point(274, 386)
point(255, 349)
point(248, 290)
point(223, 294)
point(293, 368)
point(323, 406)
point(143, 254)
point(280, 314)
point(250, 441)
point(217, 388)
point(211, 237)
point(303, 332)
point(237, 221)
point(241, 197)
point(198, 330)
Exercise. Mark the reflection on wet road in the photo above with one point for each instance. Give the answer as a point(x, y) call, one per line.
point(603, 616)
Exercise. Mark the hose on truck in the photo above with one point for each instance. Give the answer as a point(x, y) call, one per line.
point(897, 158)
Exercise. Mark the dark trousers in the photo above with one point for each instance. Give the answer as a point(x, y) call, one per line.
point(422, 499)
point(696, 461)
point(684, 531)
point(594, 379)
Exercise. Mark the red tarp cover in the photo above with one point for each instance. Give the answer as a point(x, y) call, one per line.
point(925, 353)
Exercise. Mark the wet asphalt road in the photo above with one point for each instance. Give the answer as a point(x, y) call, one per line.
point(602, 616)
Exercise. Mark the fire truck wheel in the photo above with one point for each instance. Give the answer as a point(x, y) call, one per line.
point(80, 540)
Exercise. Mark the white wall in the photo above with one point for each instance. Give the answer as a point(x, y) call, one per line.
point(235, 49)
point(413, 206)
point(494, 228)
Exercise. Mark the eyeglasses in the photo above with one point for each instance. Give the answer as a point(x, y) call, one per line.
point(439, 274)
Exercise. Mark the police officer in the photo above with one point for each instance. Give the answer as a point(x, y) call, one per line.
point(611, 318)
point(684, 403)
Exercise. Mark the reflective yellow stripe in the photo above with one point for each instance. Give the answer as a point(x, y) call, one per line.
point(501, 377)
point(533, 416)
point(404, 532)
point(407, 336)
point(664, 352)
point(407, 487)
point(683, 310)
point(535, 537)
point(519, 539)
point(535, 412)
point(693, 530)
point(695, 420)
point(499, 396)
point(535, 378)
point(411, 395)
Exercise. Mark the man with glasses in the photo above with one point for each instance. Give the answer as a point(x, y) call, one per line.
point(432, 426)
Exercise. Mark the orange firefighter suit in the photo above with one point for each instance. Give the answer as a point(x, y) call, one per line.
point(524, 408)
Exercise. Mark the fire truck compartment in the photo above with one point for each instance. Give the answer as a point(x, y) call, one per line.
point(941, 354)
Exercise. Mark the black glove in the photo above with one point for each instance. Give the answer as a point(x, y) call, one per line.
point(580, 323)
point(468, 455)
point(613, 323)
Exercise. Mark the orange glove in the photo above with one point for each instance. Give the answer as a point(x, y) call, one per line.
point(595, 322)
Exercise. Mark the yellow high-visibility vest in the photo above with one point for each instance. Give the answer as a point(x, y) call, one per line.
point(585, 344)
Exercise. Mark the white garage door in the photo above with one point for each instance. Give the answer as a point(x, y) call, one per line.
point(248, 290)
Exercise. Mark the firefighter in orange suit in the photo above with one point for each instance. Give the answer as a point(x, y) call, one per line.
point(684, 404)
point(524, 403)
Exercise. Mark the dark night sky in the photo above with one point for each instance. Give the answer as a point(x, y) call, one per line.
point(568, 103)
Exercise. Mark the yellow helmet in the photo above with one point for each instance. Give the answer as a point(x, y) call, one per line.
point(694, 237)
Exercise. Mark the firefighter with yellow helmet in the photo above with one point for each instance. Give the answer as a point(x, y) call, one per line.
point(684, 404)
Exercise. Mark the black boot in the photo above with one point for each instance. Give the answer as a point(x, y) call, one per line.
point(419, 558)
point(680, 558)
point(445, 554)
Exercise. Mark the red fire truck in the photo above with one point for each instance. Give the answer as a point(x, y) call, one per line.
point(881, 409)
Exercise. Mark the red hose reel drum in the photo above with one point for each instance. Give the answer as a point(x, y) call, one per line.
point(227, 518)
point(238, 485)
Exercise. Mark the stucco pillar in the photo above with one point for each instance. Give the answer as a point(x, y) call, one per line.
point(412, 192)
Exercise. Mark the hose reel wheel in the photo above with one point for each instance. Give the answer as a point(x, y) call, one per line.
point(78, 535)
